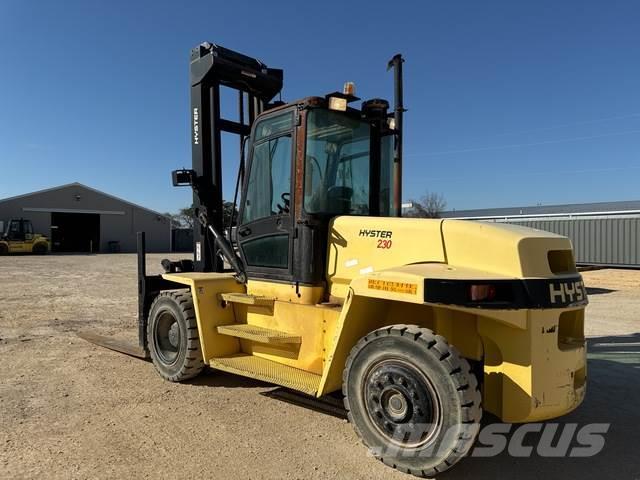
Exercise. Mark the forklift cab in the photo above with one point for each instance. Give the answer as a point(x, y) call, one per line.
point(19, 230)
point(307, 163)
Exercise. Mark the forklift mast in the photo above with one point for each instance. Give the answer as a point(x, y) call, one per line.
point(212, 67)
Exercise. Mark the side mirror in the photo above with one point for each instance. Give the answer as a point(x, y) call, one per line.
point(183, 178)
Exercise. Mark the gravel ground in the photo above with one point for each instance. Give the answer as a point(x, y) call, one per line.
point(69, 409)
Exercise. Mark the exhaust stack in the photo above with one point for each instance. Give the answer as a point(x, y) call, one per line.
point(398, 111)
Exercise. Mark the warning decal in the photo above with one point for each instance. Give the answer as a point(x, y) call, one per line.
point(395, 287)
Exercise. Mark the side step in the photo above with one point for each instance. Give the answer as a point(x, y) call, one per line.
point(268, 371)
point(258, 334)
point(247, 299)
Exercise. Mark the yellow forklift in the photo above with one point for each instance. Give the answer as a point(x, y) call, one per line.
point(18, 237)
point(420, 323)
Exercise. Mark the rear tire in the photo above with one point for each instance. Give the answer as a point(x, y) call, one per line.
point(39, 249)
point(412, 399)
point(4, 250)
point(172, 336)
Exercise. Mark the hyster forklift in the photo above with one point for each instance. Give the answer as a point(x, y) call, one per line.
point(421, 323)
point(19, 238)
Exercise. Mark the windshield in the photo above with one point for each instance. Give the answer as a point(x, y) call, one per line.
point(337, 164)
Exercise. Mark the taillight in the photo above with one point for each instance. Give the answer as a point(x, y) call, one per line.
point(481, 293)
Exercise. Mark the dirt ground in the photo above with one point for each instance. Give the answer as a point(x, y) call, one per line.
point(69, 409)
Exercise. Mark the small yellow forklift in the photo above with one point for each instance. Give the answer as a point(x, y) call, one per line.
point(19, 238)
point(421, 323)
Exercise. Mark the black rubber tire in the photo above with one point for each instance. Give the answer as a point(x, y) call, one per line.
point(430, 358)
point(39, 249)
point(188, 355)
point(4, 250)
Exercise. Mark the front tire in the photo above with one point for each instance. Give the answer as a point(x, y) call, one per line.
point(412, 399)
point(172, 336)
point(4, 249)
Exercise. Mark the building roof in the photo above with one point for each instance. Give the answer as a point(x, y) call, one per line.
point(630, 206)
point(77, 184)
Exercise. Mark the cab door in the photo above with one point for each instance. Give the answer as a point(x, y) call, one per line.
point(265, 230)
point(16, 236)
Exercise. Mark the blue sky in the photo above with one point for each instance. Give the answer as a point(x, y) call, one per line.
point(510, 103)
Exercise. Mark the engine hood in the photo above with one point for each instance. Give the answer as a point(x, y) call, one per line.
point(506, 249)
point(362, 245)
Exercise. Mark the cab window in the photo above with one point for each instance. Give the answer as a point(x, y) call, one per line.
point(269, 182)
point(14, 230)
point(337, 164)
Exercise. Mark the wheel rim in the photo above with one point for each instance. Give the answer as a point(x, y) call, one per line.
point(166, 337)
point(402, 403)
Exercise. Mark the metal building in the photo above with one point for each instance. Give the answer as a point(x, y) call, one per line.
point(606, 233)
point(78, 218)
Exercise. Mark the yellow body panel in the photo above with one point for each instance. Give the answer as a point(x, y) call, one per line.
point(505, 249)
point(313, 323)
point(26, 246)
point(534, 359)
point(298, 311)
point(531, 374)
point(210, 313)
point(359, 245)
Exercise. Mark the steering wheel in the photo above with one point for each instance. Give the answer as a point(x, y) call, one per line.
point(286, 199)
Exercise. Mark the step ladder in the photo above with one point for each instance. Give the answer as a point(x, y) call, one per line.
point(246, 299)
point(249, 365)
point(259, 334)
point(268, 371)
